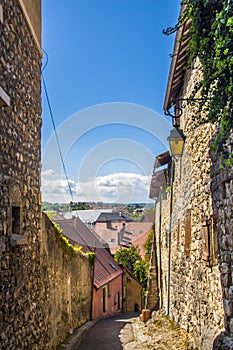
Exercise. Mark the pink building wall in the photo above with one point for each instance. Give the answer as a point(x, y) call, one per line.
point(113, 298)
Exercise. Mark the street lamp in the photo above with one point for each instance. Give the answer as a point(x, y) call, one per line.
point(176, 141)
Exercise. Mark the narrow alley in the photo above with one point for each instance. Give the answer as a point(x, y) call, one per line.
point(127, 331)
point(113, 333)
point(116, 175)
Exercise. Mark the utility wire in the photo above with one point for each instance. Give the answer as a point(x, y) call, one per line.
point(55, 131)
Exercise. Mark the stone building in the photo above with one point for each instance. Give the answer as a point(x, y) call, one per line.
point(194, 279)
point(30, 276)
point(132, 291)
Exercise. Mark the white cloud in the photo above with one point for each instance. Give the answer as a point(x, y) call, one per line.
point(49, 173)
point(117, 187)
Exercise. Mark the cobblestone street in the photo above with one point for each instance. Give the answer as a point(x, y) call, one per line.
point(127, 331)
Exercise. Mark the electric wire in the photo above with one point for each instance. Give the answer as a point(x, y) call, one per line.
point(54, 128)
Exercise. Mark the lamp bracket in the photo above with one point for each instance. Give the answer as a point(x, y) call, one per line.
point(178, 108)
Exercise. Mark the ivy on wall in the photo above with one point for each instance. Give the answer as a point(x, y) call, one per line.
point(212, 41)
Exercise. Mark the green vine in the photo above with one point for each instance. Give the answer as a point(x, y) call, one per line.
point(212, 41)
point(61, 240)
point(91, 257)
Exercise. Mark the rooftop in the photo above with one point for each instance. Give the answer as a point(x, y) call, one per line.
point(105, 268)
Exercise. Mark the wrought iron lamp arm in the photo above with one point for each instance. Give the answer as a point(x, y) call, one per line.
point(178, 110)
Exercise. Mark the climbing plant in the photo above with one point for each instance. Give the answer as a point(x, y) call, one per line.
point(131, 258)
point(212, 41)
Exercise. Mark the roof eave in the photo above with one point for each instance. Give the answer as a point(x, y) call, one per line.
point(178, 64)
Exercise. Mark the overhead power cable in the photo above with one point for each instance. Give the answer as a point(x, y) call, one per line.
point(55, 131)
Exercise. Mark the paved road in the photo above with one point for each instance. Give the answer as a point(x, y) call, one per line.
point(112, 333)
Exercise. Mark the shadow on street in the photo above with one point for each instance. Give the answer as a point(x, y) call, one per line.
point(110, 333)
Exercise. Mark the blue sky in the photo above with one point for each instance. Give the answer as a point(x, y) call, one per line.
point(101, 52)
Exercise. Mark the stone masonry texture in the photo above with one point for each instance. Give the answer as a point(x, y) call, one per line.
point(201, 243)
point(21, 315)
point(41, 298)
point(66, 287)
point(222, 194)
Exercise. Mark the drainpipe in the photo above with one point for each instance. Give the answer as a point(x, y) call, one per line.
point(92, 285)
point(160, 280)
point(169, 238)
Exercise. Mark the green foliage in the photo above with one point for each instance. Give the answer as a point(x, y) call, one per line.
point(46, 206)
point(132, 259)
point(149, 211)
point(128, 257)
point(51, 214)
point(136, 216)
point(78, 206)
point(140, 270)
point(62, 241)
point(129, 209)
point(147, 246)
point(91, 257)
point(212, 41)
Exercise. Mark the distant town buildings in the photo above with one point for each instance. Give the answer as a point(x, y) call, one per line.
point(115, 229)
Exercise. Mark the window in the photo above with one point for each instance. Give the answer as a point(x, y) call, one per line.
point(109, 290)
point(104, 301)
point(205, 240)
point(16, 220)
point(112, 240)
point(112, 266)
point(187, 241)
point(210, 241)
point(118, 301)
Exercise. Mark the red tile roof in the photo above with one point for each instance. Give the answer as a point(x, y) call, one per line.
point(130, 232)
point(78, 233)
point(105, 268)
point(148, 217)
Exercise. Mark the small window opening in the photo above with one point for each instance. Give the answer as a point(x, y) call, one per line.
point(109, 290)
point(112, 266)
point(16, 220)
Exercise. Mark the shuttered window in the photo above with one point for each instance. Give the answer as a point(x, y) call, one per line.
point(205, 240)
point(210, 241)
point(214, 236)
point(178, 234)
point(187, 241)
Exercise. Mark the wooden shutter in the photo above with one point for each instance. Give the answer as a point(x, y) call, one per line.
point(187, 242)
point(214, 237)
point(178, 234)
point(205, 240)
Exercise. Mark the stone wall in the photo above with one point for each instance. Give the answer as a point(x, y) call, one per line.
point(21, 309)
point(222, 194)
point(31, 277)
point(66, 287)
point(152, 297)
point(195, 288)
